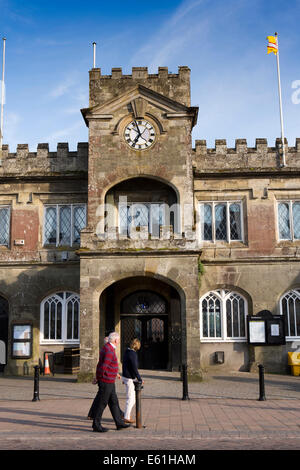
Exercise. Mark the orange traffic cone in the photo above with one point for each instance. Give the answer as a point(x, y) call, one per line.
point(46, 368)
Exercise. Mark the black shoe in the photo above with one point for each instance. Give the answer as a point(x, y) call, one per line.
point(100, 429)
point(122, 426)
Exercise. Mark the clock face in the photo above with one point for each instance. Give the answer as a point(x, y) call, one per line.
point(139, 134)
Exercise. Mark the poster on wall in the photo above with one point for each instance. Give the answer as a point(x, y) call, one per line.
point(22, 332)
point(21, 349)
point(257, 331)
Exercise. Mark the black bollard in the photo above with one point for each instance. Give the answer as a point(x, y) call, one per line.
point(138, 407)
point(262, 396)
point(36, 396)
point(185, 395)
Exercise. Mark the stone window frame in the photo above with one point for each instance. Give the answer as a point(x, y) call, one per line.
point(72, 205)
point(223, 295)
point(228, 202)
point(64, 301)
point(296, 293)
point(290, 202)
point(8, 207)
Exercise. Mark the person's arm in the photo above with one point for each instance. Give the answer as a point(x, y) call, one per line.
point(104, 361)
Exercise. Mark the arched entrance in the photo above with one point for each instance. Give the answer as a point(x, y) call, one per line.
point(3, 332)
point(148, 309)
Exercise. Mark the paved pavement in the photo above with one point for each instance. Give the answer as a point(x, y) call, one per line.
point(223, 413)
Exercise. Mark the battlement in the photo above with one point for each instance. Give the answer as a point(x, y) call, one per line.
point(242, 157)
point(24, 162)
point(140, 72)
point(174, 85)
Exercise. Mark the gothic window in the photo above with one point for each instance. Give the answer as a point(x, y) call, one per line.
point(223, 316)
point(63, 223)
point(289, 220)
point(4, 225)
point(221, 221)
point(59, 320)
point(290, 308)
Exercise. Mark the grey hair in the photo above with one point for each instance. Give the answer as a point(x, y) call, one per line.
point(113, 336)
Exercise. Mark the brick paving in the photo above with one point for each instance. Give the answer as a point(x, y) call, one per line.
point(223, 413)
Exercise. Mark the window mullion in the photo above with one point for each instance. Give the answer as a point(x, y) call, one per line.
point(64, 318)
point(242, 221)
point(73, 320)
point(72, 223)
point(227, 223)
point(57, 224)
point(55, 322)
point(213, 222)
point(291, 219)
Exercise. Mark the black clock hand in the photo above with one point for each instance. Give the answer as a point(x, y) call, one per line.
point(137, 128)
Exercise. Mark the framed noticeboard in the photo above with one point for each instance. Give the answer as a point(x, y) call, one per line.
point(21, 341)
point(266, 329)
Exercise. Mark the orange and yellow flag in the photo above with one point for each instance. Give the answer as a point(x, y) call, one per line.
point(272, 44)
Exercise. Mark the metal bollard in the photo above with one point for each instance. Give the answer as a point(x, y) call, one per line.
point(138, 408)
point(36, 396)
point(262, 396)
point(185, 382)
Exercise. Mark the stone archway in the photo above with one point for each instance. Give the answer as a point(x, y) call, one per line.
point(149, 309)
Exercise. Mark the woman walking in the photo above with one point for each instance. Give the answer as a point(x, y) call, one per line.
point(129, 376)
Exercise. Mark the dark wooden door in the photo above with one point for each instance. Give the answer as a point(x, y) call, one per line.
point(152, 331)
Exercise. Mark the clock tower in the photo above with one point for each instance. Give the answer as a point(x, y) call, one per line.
point(139, 253)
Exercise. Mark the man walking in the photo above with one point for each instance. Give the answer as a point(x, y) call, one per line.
point(106, 373)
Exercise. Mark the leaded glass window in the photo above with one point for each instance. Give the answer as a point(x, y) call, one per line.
point(290, 308)
point(144, 302)
point(4, 225)
point(60, 318)
point(221, 221)
point(223, 316)
point(135, 215)
point(63, 223)
point(289, 220)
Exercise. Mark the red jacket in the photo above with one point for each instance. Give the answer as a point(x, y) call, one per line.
point(107, 367)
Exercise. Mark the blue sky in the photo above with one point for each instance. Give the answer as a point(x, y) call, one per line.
point(234, 81)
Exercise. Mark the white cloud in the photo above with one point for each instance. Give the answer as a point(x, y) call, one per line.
point(11, 128)
point(64, 133)
point(174, 35)
point(62, 88)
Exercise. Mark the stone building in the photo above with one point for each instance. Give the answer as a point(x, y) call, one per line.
point(139, 232)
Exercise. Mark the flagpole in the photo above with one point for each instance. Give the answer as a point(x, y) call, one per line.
point(280, 104)
point(94, 51)
point(2, 98)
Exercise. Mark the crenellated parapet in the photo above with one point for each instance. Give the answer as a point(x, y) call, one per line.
point(173, 85)
point(43, 162)
point(244, 158)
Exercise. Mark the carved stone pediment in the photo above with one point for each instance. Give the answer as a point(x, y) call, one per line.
point(139, 97)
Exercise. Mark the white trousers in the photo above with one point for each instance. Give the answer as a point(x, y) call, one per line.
point(130, 396)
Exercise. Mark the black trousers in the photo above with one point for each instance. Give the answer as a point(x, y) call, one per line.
point(106, 396)
point(93, 408)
